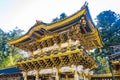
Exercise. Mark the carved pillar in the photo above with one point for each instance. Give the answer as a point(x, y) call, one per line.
point(90, 74)
point(49, 77)
point(57, 75)
point(37, 75)
point(66, 76)
point(85, 77)
point(25, 74)
point(76, 76)
point(80, 71)
point(86, 73)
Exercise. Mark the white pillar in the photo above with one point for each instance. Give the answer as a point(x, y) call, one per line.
point(86, 72)
point(90, 74)
point(66, 76)
point(49, 78)
point(76, 76)
point(84, 77)
point(25, 74)
point(81, 76)
point(57, 75)
point(37, 75)
point(80, 70)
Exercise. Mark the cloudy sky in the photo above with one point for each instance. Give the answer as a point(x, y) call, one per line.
point(23, 13)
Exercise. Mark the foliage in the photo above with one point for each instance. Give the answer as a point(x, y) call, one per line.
point(108, 23)
point(62, 16)
point(55, 19)
point(9, 54)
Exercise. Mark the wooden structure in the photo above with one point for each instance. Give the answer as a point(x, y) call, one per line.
point(114, 63)
point(11, 73)
point(59, 50)
point(116, 66)
point(105, 77)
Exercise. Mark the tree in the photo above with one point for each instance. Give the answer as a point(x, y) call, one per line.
point(63, 16)
point(108, 23)
point(106, 18)
point(55, 19)
point(9, 54)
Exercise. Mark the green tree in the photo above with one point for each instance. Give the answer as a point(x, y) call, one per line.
point(63, 16)
point(55, 19)
point(108, 23)
point(9, 54)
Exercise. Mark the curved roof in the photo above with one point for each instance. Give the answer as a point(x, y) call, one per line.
point(9, 70)
point(41, 32)
point(41, 27)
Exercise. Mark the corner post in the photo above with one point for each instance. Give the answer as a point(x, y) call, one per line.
point(57, 75)
point(37, 75)
point(66, 76)
point(25, 75)
point(76, 76)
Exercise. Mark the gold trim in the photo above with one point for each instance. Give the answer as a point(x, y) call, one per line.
point(104, 75)
point(61, 56)
point(59, 23)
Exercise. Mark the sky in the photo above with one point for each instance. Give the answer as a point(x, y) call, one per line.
point(24, 13)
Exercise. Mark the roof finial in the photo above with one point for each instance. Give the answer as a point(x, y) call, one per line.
point(85, 4)
point(38, 22)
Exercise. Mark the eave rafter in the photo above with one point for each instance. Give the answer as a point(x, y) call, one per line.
point(82, 23)
point(37, 34)
point(75, 57)
point(89, 40)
